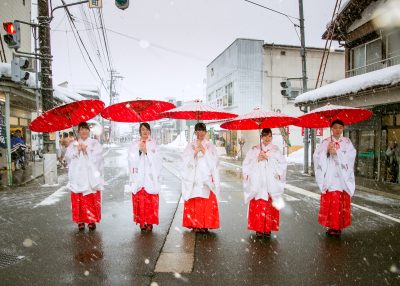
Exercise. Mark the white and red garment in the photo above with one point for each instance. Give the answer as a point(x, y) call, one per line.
point(335, 178)
point(200, 186)
point(144, 181)
point(85, 175)
point(263, 184)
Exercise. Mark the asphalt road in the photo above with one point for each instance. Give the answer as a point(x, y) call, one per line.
point(39, 244)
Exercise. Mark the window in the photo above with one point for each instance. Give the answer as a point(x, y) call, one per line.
point(374, 55)
point(366, 58)
point(393, 48)
point(229, 94)
point(358, 59)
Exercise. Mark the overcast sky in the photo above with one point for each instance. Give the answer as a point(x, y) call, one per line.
point(166, 45)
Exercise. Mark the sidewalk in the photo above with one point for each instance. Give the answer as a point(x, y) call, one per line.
point(389, 190)
point(32, 171)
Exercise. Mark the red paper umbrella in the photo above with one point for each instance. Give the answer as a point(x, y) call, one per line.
point(67, 116)
point(258, 119)
point(324, 116)
point(136, 110)
point(197, 110)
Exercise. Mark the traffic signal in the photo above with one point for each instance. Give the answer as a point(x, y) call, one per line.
point(122, 4)
point(13, 34)
point(286, 88)
point(18, 69)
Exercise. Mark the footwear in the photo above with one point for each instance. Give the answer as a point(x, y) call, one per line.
point(267, 234)
point(149, 227)
point(92, 226)
point(333, 232)
point(259, 234)
point(143, 227)
point(81, 226)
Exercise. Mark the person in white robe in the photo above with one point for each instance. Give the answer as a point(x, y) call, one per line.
point(85, 173)
point(200, 183)
point(334, 173)
point(145, 166)
point(264, 177)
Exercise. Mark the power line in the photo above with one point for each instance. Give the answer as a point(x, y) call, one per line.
point(286, 15)
point(106, 44)
point(71, 21)
point(92, 38)
point(159, 46)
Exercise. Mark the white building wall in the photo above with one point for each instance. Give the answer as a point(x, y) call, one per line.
point(241, 65)
point(11, 10)
point(282, 62)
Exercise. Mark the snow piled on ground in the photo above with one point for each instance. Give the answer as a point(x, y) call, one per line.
point(297, 157)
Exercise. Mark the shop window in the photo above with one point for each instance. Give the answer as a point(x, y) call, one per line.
point(366, 154)
point(23, 122)
point(397, 120)
point(14, 121)
point(387, 120)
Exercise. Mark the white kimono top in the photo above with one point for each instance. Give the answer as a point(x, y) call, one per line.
point(266, 177)
point(200, 174)
point(85, 171)
point(144, 169)
point(335, 173)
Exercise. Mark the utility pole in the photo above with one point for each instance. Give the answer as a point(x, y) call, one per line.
point(46, 71)
point(113, 76)
point(304, 79)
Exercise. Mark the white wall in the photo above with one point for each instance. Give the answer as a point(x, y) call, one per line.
point(278, 67)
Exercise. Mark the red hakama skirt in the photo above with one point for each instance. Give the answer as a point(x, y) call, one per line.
point(201, 212)
point(335, 210)
point(86, 209)
point(145, 207)
point(263, 217)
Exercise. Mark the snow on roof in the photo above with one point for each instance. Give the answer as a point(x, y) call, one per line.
point(64, 94)
point(384, 77)
point(69, 93)
point(5, 70)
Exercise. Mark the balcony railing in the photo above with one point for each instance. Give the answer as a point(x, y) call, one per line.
point(374, 66)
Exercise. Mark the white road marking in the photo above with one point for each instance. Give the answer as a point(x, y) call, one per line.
point(54, 197)
point(230, 164)
point(317, 197)
point(288, 198)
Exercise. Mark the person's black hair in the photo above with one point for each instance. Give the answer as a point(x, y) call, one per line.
point(65, 134)
point(266, 131)
point(337, 121)
point(18, 131)
point(71, 133)
point(84, 125)
point(200, 126)
point(146, 125)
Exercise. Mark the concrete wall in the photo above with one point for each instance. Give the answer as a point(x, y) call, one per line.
point(281, 62)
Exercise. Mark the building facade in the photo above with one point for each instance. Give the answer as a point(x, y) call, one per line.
point(248, 74)
point(372, 55)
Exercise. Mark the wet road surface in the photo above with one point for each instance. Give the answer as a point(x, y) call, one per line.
point(39, 244)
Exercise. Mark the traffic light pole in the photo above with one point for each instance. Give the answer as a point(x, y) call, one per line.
point(304, 79)
point(46, 71)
